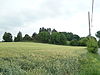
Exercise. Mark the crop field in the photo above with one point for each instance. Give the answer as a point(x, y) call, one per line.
point(28, 58)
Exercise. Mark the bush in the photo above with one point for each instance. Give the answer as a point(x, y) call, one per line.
point(92, 45)
point(83, 41)
point(74, 43)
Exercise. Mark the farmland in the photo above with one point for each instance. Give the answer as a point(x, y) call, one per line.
point(28, 58)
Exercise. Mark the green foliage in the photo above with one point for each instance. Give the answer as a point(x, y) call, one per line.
point(45, 30)
point(69, 36)
point(83, 41)
point(74, 43)
point(58, 38)
point(7, 37)
point(18, 38)
point(76, 37)
point(54, 30)
point(23, 58)
point(92, 45)
point(27, 38)
point(44, 37)
point(90, 64)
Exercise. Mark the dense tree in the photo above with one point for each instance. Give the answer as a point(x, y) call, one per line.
point(74, 43)
point(46, 35)
point(19, 37)
point(54, 30)
point(7, 37)
point(92, 45)
point(76, 37)
point(98, 34)
point(27, 38)
point(34, 34)
point(43, 37)
point(69, 36)
point(62, 39)
point(58, 38)
point(83, 41)
point(42, 29)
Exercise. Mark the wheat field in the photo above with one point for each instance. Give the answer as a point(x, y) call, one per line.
point(28, 58)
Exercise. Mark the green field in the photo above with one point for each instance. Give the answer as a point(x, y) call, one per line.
point(25, 58)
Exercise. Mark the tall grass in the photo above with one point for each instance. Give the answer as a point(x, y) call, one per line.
point(44, 59)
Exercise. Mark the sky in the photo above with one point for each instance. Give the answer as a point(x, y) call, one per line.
point(28, 16)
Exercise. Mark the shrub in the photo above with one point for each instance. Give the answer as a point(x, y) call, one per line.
point(92, 45)
point(74, 43)
point(83, 41)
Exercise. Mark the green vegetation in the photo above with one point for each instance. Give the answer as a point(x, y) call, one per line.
point(46, 35)
point(7, 37)
point(22, 58)
point(90, 64)
point(92, 45)
point(19, 37)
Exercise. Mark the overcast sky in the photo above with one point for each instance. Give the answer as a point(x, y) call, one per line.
point(28, 16)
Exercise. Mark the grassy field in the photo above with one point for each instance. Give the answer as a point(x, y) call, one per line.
point(25, 58)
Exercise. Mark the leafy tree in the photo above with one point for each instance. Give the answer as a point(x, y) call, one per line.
point(43, 37)
point(27, 38)
point(74, 43)
point(19, 37)
point(76, 37)
point(98, 34)
point(54, 30)
point(69, 36)
point(92, 45)
point(7, 37)
point(62, 39)
point(58, 38)
point(83, 41)
point(34, 36)
point(42, 29)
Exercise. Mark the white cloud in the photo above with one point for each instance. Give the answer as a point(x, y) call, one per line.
point(64, 15)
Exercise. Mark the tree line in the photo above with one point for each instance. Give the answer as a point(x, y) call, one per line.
point(47, 35)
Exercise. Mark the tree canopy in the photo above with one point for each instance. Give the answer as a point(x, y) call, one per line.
point(7, 37)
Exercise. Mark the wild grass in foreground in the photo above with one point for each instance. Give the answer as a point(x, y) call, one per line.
point(44, 59)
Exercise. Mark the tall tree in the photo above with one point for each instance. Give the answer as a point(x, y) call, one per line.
point(42, 29)
point(27, 38)
point(33, 35)
point(54, 30)
point(69, 36)
point(44, 37)
point(76, 37)
point(58, 38)
point(19, 37)
point(7, 37)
